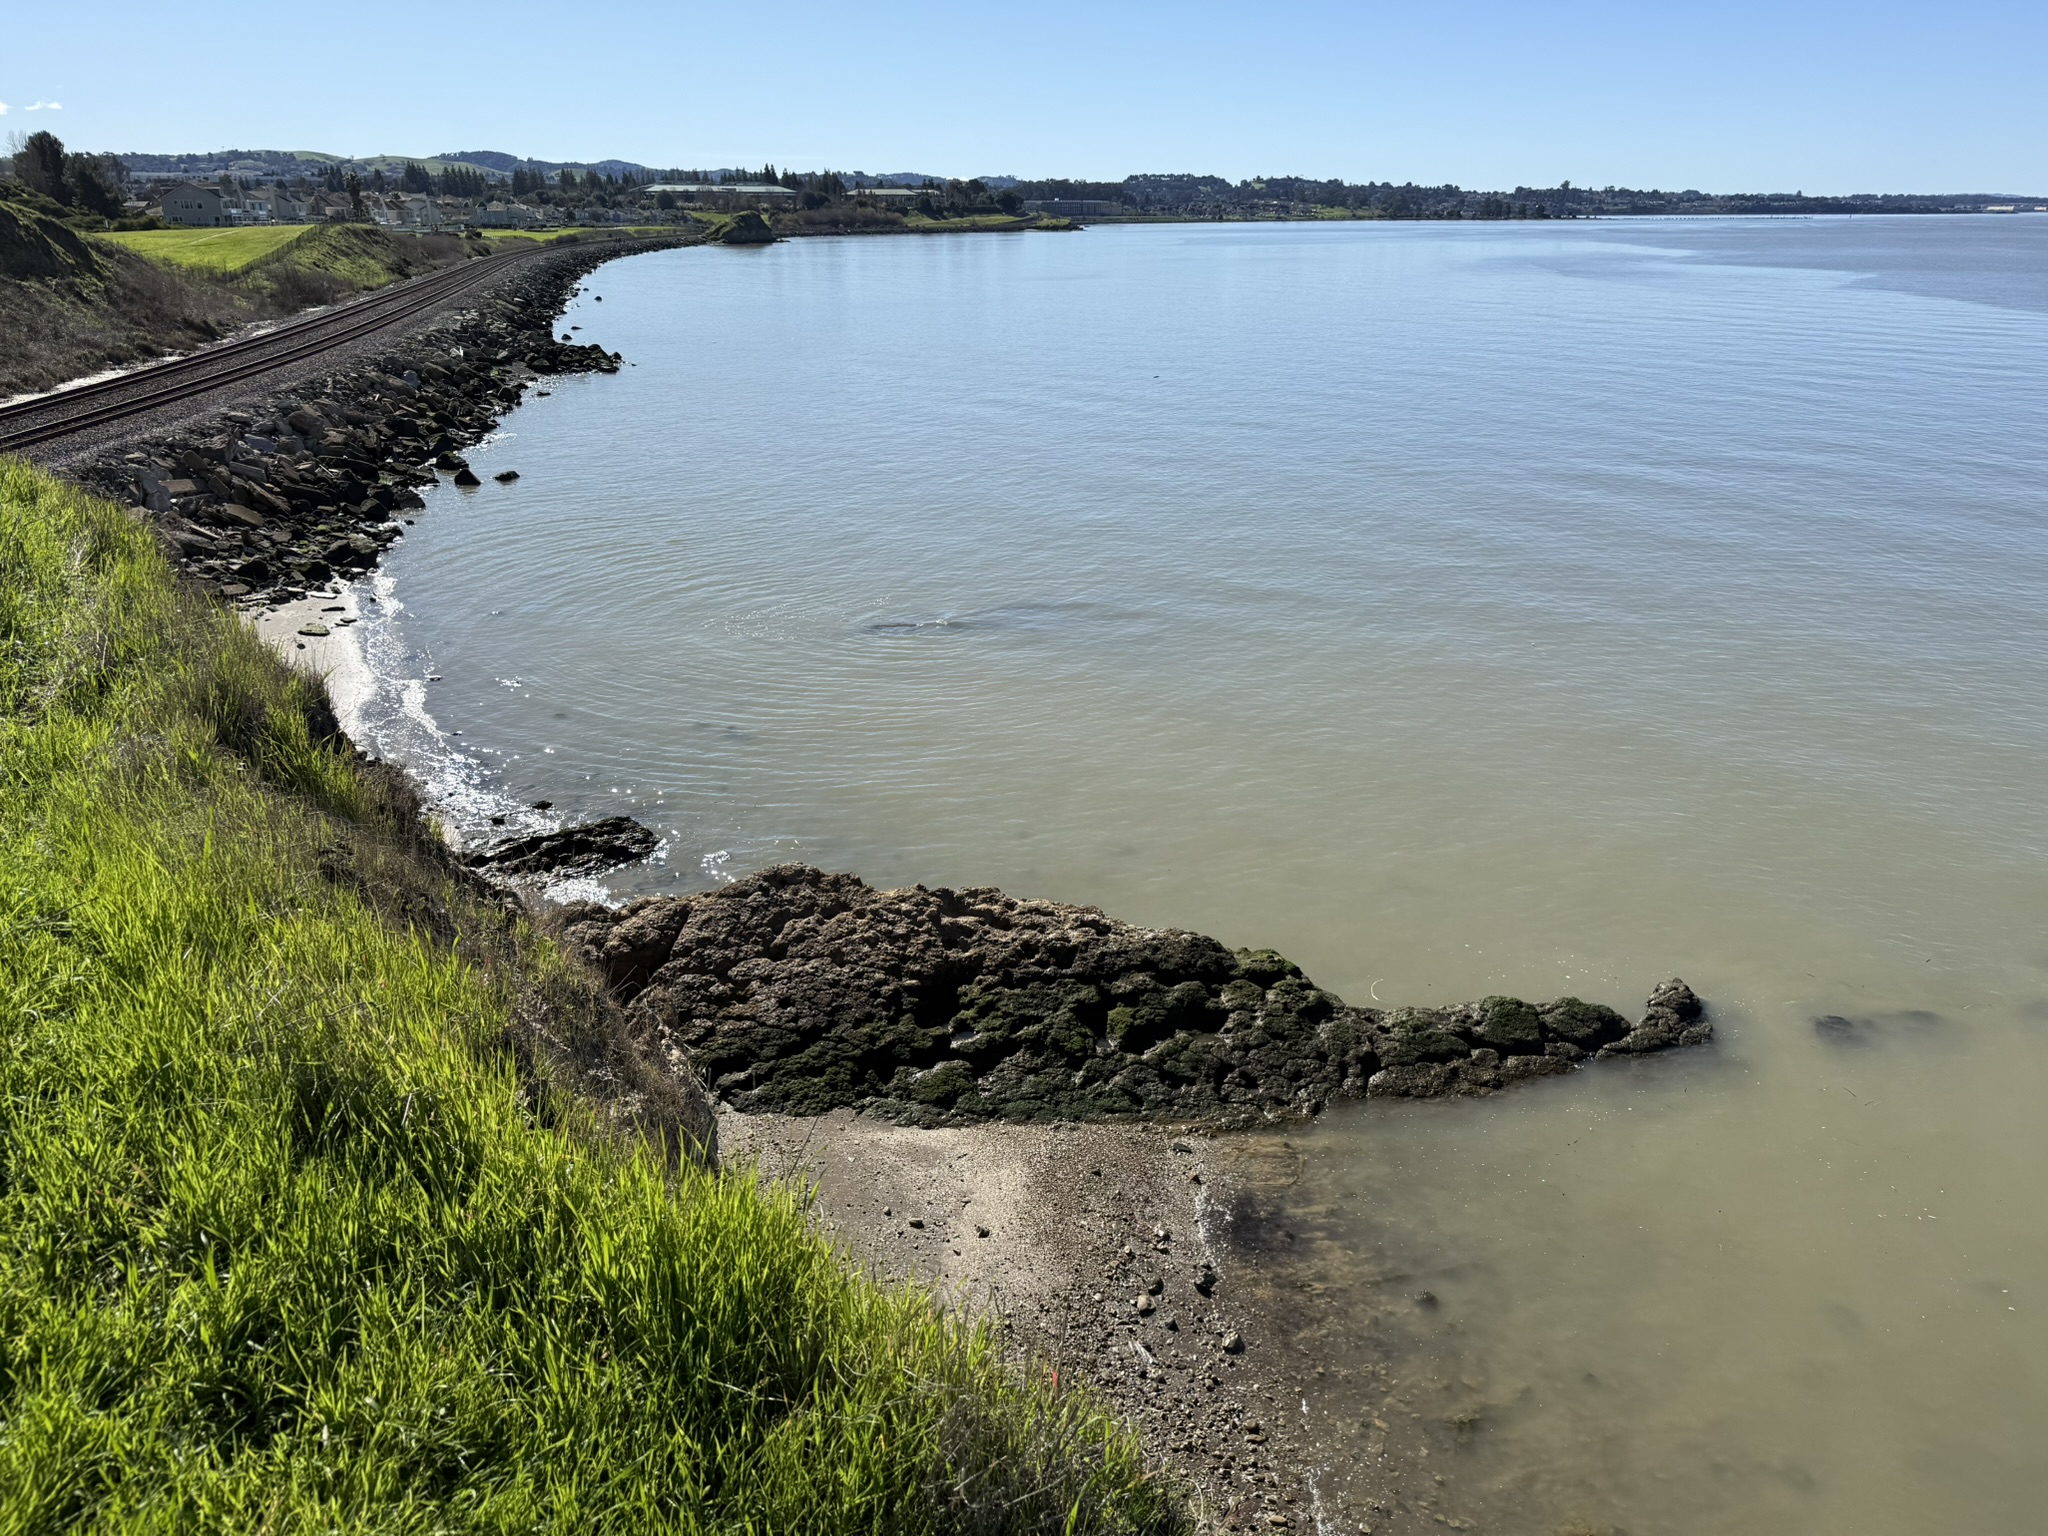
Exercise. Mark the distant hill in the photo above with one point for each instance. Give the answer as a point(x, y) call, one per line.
point(268, 164)
point(504, 164)
point(495, 164)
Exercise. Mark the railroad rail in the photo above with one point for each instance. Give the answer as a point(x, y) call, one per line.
point(68, 411)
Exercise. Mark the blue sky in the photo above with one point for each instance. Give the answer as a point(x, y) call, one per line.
point(1734, 96)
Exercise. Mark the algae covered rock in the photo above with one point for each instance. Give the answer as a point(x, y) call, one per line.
point(744, 228)
point(798, 991)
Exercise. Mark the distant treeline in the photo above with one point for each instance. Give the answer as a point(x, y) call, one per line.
point(1182, 196)
point(620, 184)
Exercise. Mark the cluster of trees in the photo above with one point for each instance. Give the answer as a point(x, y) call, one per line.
point(1297, 196)
point(962, 199)
point(1188, 196)
point(533, 184)
point(89, 183)
point(458, 181)
point(455, 181)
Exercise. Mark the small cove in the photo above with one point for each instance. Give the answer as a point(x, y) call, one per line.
point(1458, 610)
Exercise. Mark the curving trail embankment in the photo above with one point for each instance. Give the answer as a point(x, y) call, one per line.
point(60, 426)
point(271, 472)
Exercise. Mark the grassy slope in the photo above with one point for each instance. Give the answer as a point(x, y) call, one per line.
point(349, 256)
point(584, 232)
point(212, 250)
point(360, 256)
point(111, 307)
point(285, 1241)
point(969, 221)
point(127, 306)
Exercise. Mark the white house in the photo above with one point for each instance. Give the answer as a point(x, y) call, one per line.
point(271, 205)
point(506, 216)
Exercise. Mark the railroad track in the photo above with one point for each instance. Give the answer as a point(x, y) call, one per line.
point(59, 415)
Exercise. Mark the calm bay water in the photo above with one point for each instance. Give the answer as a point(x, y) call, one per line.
point(1458, 610)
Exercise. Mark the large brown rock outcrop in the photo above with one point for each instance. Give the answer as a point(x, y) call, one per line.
point(798, 991)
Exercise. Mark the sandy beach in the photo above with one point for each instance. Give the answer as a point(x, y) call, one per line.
point(1130, 1257)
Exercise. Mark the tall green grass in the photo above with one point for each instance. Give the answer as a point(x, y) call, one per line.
point(224, 251)
point(287, 1240)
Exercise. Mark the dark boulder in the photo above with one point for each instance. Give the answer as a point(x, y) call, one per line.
point(1674, 1017)
point(745, 228)
point(589, 849)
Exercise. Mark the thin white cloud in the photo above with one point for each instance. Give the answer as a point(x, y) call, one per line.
point(44, 106)
point(3, 109)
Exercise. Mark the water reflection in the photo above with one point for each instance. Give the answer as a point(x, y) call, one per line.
point(1459, 610)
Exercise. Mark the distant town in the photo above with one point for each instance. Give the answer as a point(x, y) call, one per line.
point(480, 189)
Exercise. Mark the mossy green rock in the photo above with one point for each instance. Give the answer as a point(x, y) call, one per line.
point(745, 228)
point(798, 991)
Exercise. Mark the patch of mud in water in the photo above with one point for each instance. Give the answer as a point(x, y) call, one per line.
point(1013, 618)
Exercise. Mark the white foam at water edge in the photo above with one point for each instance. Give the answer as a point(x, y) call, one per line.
point(388, 712)
point(580, 888)
point(350, 681)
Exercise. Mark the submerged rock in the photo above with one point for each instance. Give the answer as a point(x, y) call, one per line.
point(589, 849)
point(798, 991)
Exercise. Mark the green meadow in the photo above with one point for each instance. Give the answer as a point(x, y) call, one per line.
point(213, 250)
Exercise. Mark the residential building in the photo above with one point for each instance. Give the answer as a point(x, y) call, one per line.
point(190, 206)
point(500, 215)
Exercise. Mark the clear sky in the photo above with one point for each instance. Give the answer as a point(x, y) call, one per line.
point(1944, 95)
